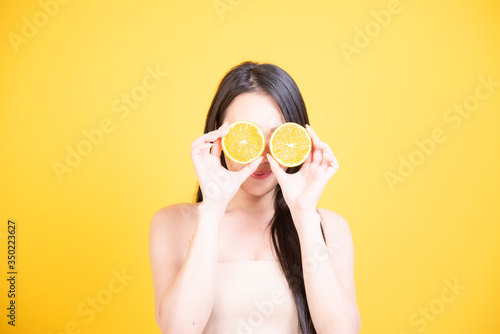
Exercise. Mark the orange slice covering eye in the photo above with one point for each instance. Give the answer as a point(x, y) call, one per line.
point(290, 144)
point(244, 142)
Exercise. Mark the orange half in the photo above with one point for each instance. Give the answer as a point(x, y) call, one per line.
point(290, 144)
point(244, 142)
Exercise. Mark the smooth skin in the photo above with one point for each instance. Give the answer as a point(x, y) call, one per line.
point(186, 241)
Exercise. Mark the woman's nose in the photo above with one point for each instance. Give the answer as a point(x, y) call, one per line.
point(265, 156)
point(266, 150)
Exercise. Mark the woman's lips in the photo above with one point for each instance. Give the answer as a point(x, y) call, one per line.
point(261, 174)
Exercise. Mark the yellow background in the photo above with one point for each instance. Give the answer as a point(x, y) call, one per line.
point(440, 224)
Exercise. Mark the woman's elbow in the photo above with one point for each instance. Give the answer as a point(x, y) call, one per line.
point(175, 325)
point(348, 326)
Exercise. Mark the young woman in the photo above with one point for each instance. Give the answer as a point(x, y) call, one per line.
point(254, 254)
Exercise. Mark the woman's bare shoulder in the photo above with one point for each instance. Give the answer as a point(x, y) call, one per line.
point(176, 211)
point(169, 241)
point(334, 224)
point(331, 216)
point(171, 229)
point(174, 216)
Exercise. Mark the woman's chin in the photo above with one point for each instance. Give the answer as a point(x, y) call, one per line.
point(259, 187)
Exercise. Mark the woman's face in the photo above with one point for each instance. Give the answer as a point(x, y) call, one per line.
point(262, 110)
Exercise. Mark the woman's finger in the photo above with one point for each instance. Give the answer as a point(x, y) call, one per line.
point(316, 140)
point(223, 126)
point(315, 150)
point(201, 147)
point(209, 137)
point(308, 159)
point(322, 146)
point(248, 170)
point(279, 173)
point(317, 155)
point(317, 143)
point(329, 160)
point(217, 148)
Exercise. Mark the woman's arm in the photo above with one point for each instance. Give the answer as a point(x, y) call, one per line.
point(184, 283)
point(328, 272)
point(184, 291)
point(328, 267)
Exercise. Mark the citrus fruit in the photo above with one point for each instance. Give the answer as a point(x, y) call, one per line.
point(244, 142)
point(290, 144)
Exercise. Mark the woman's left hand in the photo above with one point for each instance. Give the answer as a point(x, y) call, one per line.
point(303, 189)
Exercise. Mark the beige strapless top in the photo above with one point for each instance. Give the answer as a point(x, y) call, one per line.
point(252, 297)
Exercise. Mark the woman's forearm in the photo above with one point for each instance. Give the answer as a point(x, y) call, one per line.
point(332, 309)
point(187, 303)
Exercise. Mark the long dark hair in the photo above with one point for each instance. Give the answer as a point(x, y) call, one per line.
point(275, 82)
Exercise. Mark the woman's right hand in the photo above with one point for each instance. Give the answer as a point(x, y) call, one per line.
point(217, 184)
